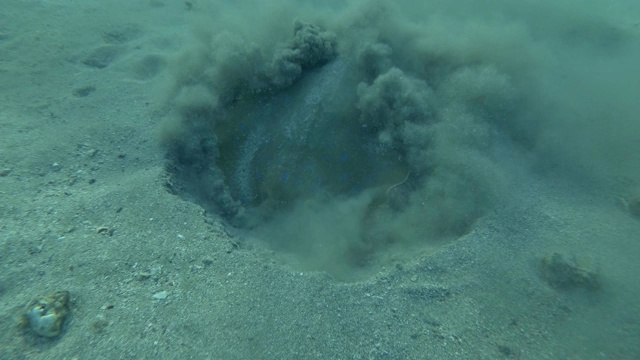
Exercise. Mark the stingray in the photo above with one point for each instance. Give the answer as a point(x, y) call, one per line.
point(303, 142)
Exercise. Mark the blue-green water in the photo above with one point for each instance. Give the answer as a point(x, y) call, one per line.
point(320, 180)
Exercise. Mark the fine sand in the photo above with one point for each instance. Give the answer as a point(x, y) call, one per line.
point(85, 208)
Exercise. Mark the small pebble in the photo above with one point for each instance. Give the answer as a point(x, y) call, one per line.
point(143, 276)
point(160, 295)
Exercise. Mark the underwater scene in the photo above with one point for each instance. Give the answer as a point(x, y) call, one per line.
point(306, 179)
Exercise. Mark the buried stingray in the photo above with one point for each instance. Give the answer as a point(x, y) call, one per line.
point(337, 163)
point(304, 142)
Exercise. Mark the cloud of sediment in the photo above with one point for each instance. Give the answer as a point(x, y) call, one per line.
point(338, 132)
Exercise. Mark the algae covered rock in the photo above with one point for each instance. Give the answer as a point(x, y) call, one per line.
point(631, 205)
point(565, 274)
point(45, 315)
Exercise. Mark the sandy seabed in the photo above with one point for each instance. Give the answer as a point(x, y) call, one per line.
point(84, 208)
